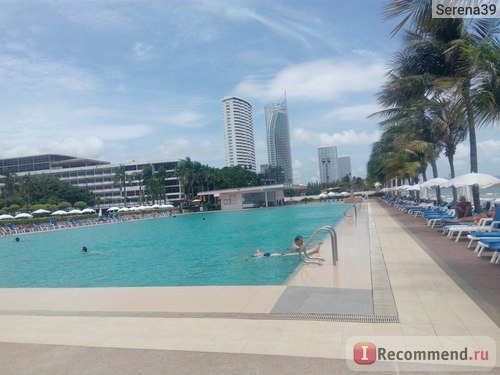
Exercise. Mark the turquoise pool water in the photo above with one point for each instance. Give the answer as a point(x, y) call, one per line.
point(212, 248)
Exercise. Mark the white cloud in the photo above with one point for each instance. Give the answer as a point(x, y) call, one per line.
point(96, 16)
point(318, 80)
point(351, 114)
point(186, 119)
point(143, 51)
point(197, 149)
point(36, 73)
point(347, 137)
point(90, 147)
point(123, 132)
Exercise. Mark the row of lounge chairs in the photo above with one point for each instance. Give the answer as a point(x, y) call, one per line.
point(9, 229)
point(485, 232)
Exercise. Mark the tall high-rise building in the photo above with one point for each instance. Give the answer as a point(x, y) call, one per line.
point(328, 164)
point(344, 163)
point(238, 133)
point(279, 152)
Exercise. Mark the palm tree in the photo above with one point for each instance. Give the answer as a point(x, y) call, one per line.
point(147, 180)
point(120, 179)
point(160, 177)
point(9, 183)
point(469, 68)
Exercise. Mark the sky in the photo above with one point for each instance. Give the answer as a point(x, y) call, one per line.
point(143, 80)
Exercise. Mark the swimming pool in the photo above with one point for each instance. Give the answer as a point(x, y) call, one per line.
point(212, 248)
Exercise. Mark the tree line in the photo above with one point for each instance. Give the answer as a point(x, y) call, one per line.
point(29, 193)
point(443, 84)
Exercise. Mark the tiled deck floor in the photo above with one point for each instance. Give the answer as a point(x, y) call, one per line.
point(427, 301)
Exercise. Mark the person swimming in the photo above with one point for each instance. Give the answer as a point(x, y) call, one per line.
point(83, 249)
point(260, 254)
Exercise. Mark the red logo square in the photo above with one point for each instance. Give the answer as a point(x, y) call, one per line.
point(365, 353)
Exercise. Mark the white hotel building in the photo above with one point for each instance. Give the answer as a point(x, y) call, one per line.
point(96, 175)
point(238, 133)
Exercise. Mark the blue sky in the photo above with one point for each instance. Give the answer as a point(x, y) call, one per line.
point(143, 80)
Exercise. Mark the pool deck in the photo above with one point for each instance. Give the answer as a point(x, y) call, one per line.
point(385, 256)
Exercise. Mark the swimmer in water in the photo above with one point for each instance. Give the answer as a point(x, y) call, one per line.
point(260, 254)
point(83, 249)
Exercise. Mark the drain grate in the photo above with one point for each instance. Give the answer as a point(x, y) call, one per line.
point(341, 318)
point(215, 315)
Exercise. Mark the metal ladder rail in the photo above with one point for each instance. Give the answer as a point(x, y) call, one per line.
point(347, 212)
point(333, 237)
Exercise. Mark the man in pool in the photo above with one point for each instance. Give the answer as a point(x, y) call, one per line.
point(298, 243)
point(296, 246)
point(83, 249)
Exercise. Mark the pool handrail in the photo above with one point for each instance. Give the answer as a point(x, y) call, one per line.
point(333, 237)
point(348, 210)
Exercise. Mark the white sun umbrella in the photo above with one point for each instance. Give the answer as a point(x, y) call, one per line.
point(123, 209)
point(40, 212)
point(413, 187)
point(435, 182)
point(480, 179)
point(74, 211)
point(59, 213)
point(6, 216)
point(155, 205)
point(88, 211)
point(168, 206)
point(402, 187)
point(23, 216)
point(345, 194)
point(135, 208)
point(112, 209)
point(142, 208)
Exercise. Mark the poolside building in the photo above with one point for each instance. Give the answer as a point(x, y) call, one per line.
point(279, 152)
point(248, 197)
point(97, 176)
point(238, 133)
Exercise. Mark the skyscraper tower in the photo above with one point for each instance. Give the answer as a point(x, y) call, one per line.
point(279, 152)
point(344, 163)
point(328, 164)
point(238, 133)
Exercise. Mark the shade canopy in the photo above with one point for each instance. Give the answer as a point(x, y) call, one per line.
point(479, 179)
point(23, 215)
point(59, 213)
point(435, 182)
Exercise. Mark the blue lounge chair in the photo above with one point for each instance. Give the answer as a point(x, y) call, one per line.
point(476, 236)
point(486, 243)
point(496, 252)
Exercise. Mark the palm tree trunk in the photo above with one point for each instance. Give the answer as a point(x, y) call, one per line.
point(435, 175)
point(452, 175)
point(473, 147)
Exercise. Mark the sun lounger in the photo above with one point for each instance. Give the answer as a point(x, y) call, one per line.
point(496, 253)
point(484, 244)
point(485, 224)
point(477, 235)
